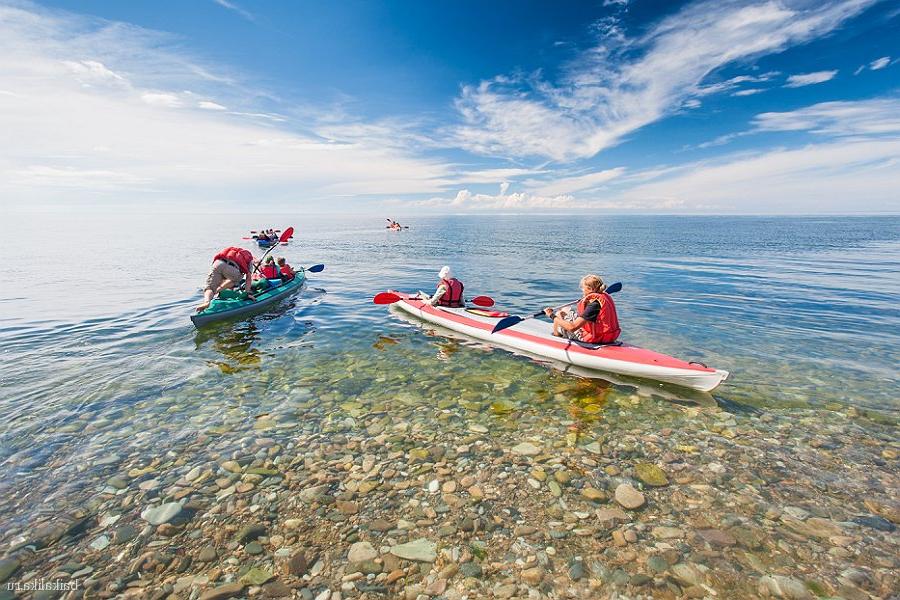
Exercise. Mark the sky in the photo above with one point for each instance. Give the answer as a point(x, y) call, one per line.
point(619, 106)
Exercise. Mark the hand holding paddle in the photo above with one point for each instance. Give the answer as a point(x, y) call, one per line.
point(391, 297)
point(514, 320)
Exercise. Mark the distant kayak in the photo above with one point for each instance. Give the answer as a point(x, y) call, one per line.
point(535, 337)
point(264, 243)
point(236, 306)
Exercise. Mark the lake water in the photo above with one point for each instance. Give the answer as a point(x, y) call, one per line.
point(100, 361)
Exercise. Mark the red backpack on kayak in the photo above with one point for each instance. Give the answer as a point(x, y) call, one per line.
point(453, 297)
point(242, 258)
point(606, 328)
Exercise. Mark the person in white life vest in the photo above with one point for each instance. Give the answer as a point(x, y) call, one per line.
point(449, 291)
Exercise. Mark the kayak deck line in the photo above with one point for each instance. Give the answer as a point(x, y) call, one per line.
point(536, 337)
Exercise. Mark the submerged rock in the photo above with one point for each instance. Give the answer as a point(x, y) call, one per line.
point(629, 497)
point(163, 513)
point(421, 550)
point(651, 475)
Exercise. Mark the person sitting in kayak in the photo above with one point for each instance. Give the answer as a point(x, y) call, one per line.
point(595, 321)
point(449, 291)
point(229, 266)
point(285, 270)
point(269, 270)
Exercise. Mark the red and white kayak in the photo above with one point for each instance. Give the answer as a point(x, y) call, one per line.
point(536, 337)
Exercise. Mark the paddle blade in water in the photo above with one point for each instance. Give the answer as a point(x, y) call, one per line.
point(316, 268)
point(616, 287)
point(485, 301)
point(506, 322)
point(288, 234)
point(385, 298)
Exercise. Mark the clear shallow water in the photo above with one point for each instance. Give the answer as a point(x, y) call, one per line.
point(100, 358)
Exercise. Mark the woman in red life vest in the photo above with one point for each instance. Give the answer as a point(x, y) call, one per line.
point(449, 291)
point(228, 267)
point(595, 321)
point(285, 271)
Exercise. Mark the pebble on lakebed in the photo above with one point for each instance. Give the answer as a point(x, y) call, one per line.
point(337, 494)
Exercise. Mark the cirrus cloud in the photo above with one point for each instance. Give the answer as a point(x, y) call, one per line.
point(621, 84)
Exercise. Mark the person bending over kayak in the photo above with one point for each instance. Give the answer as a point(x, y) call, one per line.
point(228, 267)
point(595, 321)
point(284, 269)
point(449, 291)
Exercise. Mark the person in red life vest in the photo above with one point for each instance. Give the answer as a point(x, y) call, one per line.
point(449, 291)
point(595, 321)
point(269, 270)
point(228, 267)
point(285, 270)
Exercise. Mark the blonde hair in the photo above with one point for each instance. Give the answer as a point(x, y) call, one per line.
point(593, 283)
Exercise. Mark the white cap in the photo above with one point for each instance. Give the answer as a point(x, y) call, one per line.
point(445, 273)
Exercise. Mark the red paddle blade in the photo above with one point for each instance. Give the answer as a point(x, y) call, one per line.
point(386, 298)
point(288, 234)
point(485, 301)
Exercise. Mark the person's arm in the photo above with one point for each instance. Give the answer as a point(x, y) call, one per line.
point(248, 286)
point(440, 291)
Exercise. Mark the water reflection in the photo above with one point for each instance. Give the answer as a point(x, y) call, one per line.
point(236, 343)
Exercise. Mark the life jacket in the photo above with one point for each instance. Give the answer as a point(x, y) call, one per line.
point(453, 297)
point(606, 328)
point(287, 272)
point(242, 258)
point(270, 271)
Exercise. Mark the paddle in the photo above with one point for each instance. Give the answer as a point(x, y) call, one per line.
point(316, 269)
point(391, 297)
point(514, 320)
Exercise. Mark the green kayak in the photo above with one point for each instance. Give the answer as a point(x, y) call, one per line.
point(231, 305)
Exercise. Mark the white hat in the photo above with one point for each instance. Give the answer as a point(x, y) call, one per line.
point(445, 273)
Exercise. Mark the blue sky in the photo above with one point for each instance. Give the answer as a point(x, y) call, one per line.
point(607, 106)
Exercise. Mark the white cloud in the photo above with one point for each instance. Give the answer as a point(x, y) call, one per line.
point(567, 185)
point(859, 175)
point(464, 200)
point(494, 175)
point(876, 117)
point(621, 84)
point(880, 63)
point(161, 99)
point(730, 84)
point(95, 108)
point(748, 92)
point(803, 79)
point(237, 9)
point(209, 105)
